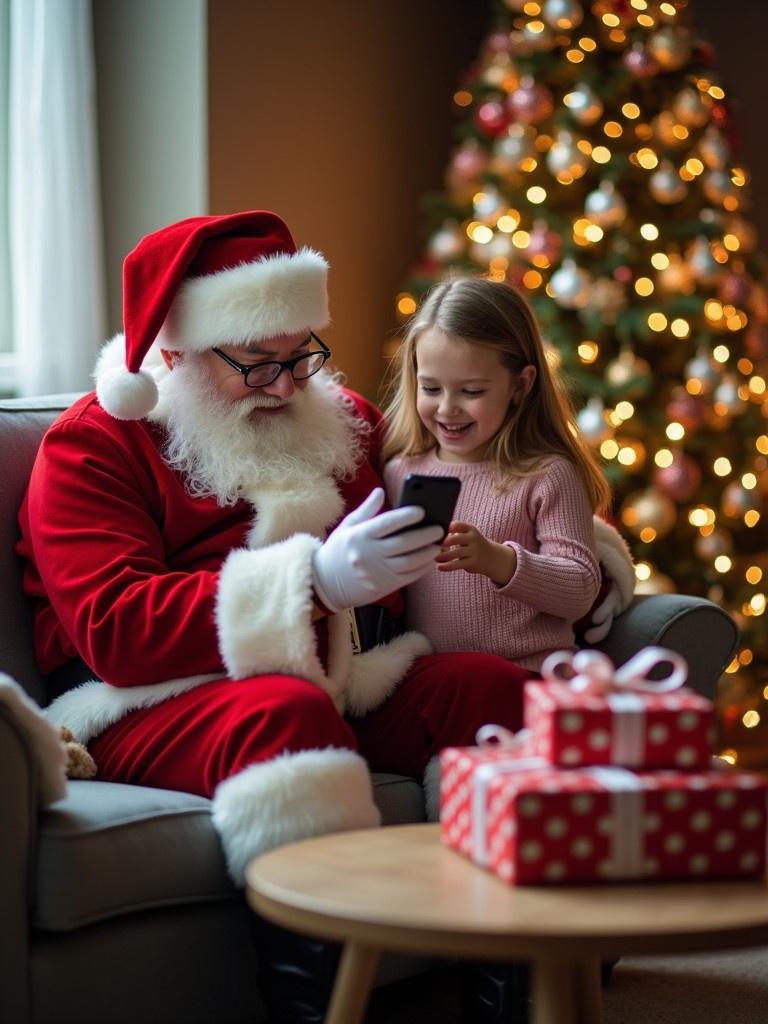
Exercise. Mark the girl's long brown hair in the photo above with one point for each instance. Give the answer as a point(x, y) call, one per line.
point(495, 315)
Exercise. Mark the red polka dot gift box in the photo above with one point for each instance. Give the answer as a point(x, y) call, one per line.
point(531, 822)
point(586, 712)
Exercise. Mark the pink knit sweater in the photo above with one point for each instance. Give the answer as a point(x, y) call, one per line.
point(546, 518)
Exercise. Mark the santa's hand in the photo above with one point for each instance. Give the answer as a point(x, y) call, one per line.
point(362, 561)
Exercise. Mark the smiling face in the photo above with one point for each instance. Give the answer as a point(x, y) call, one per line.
point(464, 393)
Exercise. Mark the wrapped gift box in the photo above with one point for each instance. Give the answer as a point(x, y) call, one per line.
point(533, 823)
point(587, 712)
point(635, 730)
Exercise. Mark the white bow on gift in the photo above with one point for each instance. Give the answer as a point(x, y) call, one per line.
point(592, 672)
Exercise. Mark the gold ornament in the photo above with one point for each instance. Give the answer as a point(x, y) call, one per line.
point(565, 157)
point(714, 148)
point(690, 108)
point(649, 510)
point(447, 244)
point(628, 374)
point(702, 369)
point(670, 47)
point(608, 298)
point(703, 264)
point(677, 277)
point(718, 187)
point(714, 544)
point(736, 500)
point(513, 148)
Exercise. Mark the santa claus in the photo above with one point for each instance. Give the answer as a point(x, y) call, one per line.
point(192, 551)
point(196, 534)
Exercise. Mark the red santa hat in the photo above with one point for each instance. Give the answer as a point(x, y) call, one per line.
point(209, 281)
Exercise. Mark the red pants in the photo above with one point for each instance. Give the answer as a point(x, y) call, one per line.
point(196, 740)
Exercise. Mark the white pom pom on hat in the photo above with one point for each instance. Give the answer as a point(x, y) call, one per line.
point(209, 281)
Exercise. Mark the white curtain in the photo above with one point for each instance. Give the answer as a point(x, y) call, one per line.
point(55, 239)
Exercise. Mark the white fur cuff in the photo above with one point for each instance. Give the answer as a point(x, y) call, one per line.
point(292, 797)
point(263, 611)
point(375, 674)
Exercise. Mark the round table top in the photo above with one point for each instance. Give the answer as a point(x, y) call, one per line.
point(399, 888)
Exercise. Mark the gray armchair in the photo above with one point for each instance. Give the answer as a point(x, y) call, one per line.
point(116, 902)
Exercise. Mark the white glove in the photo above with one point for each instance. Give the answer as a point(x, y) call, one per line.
point(362, 562)
point(602, 617)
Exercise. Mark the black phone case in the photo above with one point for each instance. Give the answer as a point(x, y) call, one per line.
point(437, 495)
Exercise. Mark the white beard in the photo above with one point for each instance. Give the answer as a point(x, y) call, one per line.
point(285, 464)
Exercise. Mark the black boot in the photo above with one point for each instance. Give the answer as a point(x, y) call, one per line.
point(494, 993)
point(296, 974)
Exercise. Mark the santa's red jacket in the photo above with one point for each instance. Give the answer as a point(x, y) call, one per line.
point(158, 591)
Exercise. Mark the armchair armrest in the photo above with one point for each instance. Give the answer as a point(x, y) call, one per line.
point(702, 632)
point(18, 821)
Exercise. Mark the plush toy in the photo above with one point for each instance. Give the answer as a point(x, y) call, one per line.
point(80, 764)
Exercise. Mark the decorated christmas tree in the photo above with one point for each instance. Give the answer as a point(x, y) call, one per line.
point(596, 168)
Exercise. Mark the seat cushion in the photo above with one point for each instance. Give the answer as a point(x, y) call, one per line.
point(109, 849)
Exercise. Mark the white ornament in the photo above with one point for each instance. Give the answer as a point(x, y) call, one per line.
point(570, 285)
point(666, 185)
point(565, 157)
point(585, 106)
point(605, 206)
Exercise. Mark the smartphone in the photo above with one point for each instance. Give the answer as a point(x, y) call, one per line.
point(437, 495)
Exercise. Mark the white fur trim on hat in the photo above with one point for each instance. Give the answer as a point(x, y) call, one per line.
point(126, 395)
point(266, 298)
point(291, 797)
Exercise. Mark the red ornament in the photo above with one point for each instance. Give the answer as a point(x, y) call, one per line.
point(639, 62)
point(491, 117)
point(680, 480)
point(736, 289)
point(622, 274)
point(543, 242)
point(469, 161)
point(497, 42)
point(531, 102)
point(690, 410)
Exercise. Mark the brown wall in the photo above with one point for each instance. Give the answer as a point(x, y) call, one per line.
point(336, 114)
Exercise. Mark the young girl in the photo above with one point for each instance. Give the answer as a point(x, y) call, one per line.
point(474, 397)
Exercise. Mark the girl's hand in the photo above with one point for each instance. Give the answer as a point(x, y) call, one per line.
point(464, 547)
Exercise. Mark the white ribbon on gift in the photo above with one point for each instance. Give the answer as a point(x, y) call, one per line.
point(594, 673)
point(626, 854)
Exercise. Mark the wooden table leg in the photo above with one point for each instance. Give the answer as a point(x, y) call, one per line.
point(588, 992)
point(353, 984)
point(553, 992)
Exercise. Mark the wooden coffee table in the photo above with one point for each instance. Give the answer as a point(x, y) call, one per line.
point(398, 888)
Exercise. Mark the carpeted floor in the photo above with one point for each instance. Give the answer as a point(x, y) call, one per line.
point(712, 988)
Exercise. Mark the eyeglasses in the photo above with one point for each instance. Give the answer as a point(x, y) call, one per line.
point(258, 375)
